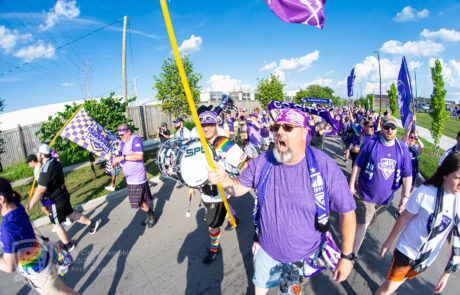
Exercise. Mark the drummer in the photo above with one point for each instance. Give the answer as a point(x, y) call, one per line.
point(230, 156)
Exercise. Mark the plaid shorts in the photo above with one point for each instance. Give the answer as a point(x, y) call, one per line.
point(139, 193)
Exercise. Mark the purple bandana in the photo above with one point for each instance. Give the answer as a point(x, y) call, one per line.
point(295, 117)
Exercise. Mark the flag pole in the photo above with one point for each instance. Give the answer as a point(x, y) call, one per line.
point(191, 103)
point(51, 144)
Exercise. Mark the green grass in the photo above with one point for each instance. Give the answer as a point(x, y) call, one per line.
point(427, 161)
point(18, 171)
point(82, 187)
point(451, 127)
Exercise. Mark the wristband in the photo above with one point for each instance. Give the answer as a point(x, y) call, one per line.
point(352, 257)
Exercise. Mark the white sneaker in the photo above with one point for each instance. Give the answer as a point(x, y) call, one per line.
point(67, 222)
point(53, 230)
point(110, 188)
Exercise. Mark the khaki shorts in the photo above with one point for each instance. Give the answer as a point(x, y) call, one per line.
point(366, 211)
point(46, 281)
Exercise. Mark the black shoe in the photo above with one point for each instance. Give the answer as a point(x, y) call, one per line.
point(94, 225)
point(146, 220)
point(69, 246)
point(152, 220)
point(230, 227)
point(212, 256)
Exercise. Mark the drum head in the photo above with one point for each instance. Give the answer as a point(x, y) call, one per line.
point(193, 165)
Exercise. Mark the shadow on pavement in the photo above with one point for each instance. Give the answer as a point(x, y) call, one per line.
point(162, 196)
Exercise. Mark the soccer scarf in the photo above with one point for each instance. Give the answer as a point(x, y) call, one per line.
point(436, 225)
point(369, 171)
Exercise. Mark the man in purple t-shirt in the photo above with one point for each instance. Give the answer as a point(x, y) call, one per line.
point(381, 163)
point(287, 232)
point(132, 165)
point(254, 126)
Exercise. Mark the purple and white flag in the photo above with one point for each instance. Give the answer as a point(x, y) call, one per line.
point(350, 81)
point(308, 12)
point(404, 94)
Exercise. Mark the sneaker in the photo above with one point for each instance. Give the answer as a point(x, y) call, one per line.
point(69, 247)
point(53, 229)
point(67, 222)
point(94, 225)
point(152, 221)
point(230, 227)
point(146, 220)
point(110, 188)
point(212, 256)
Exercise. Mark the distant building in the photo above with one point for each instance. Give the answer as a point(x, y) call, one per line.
point(242, 95)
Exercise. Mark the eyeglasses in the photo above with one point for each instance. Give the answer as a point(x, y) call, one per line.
point(412, 137)
point(286, 127)
point(389, 127)
point(207, 119)
point(370, 126)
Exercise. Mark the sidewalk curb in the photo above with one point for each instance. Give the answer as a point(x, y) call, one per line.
point(91, 204)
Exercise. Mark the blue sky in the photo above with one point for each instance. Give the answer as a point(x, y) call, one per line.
point(232, 43)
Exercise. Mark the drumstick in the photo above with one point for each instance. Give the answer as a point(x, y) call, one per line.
point(187, 214)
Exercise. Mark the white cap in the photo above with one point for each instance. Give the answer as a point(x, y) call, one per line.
point(43, 149)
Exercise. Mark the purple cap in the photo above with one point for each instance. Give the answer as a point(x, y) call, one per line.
point(293, 116)
point(208, 117)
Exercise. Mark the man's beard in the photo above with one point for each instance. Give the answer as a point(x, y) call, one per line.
point(282, 157)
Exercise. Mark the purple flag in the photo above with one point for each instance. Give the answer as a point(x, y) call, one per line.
point(404, 94)
point(308, 12)
point(350, 81)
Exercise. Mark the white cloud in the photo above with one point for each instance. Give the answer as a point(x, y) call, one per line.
point(62, 9)
point(409, 13)
point(269, 67)
point(342, 83)
point(450, 72)
point(443, 34)
point(417, 48)
point(67, 84)
point(32, 52)
point(225, 83)
point(299, 63)
point(9, 38)
point(414, 65)
point(319, 81)
point(191, 45)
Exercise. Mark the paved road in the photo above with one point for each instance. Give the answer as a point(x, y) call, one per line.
point(126, 258)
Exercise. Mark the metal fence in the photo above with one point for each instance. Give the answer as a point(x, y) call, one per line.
point(21, 141)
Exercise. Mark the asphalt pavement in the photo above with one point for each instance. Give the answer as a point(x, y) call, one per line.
point(124, 257)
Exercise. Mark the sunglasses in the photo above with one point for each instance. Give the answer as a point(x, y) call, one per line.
point(389, 127)
point(412, 137)
point(121, 132)
point(208, 119)
point(286, 127)
point(370, 126)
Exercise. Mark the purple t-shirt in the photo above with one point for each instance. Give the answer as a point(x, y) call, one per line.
point(379, 189)
point(134, 171)
point(265, 123)
point(253, 133)
point(288, 215)
point(337, 120)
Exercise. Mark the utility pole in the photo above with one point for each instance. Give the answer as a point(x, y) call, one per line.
point(415, 79)
point(135, 89)
point(86, 70)
point(380, 79)
point(125, 90)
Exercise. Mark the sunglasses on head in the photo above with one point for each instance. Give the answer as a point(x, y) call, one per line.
point(389, 127)
point(286, 127)
point(207, 119)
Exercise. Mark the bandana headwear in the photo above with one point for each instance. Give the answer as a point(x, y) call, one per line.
point(295, 117)
point(208, 117)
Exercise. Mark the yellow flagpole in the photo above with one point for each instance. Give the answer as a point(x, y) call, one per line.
point(51, 144)
point(191, 104)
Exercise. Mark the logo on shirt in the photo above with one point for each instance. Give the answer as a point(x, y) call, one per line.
point(387, 166)
point(444, 224)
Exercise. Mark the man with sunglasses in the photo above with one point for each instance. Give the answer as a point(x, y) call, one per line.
point(132, 165)
point(288, 234)
point(230, 156)
point(381, 164)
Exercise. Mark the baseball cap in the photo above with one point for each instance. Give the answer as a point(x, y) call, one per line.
point(178, 120)
point(245, 109)
point(164, 124)
point(208, 117)
point(43, 149)
point(389, 120)
point(31, 158)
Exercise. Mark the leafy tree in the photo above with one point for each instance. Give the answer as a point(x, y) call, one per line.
point(370, 98)
point(109, 112)
point(169, 87)
point(437, 105)
point(268, 89)
point(392, 93)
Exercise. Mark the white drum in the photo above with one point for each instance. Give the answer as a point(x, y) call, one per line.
point(184, 160)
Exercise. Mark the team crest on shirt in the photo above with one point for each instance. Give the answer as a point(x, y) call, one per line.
point(444, 223)
point(387, 166)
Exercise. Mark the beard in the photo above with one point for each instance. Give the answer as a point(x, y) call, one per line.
point(282, 157)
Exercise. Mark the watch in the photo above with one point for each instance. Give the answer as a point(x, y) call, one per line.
point(352, 257)
point(124, 157)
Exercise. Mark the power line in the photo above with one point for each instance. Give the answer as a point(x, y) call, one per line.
point(59, 47)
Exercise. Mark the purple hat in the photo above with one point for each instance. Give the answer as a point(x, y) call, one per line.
point(254, 115)
point(293, 116)
point(208, 117)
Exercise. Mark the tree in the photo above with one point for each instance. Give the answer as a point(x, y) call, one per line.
point(268, 89)
point(392, 93)
point(314, 91)
point(109, 112)
point(169, 87)
point(370, 98)
point(437, 105)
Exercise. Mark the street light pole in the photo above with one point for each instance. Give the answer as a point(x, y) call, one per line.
point(415, 79)
point(380, 79)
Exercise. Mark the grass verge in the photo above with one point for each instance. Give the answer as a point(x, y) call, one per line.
point(16, 172)
point(451, 127)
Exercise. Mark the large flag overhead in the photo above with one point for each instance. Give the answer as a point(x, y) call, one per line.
point(308, 12)
point(350, 81)
point(404, 94)
point(90, 135)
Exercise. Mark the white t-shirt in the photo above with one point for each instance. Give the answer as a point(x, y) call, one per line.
point(422, 203)
point(185, 133)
